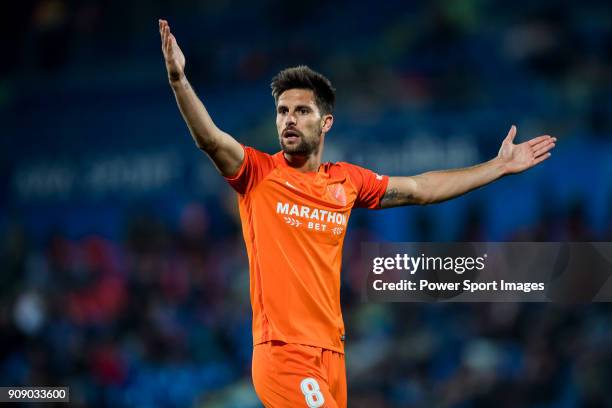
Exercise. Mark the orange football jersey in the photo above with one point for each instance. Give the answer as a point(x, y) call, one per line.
point(294, 225)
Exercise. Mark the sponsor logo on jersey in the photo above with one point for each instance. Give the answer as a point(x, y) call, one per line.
point(317, 214)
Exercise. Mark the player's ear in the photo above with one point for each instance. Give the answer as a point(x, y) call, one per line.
point(326, 122)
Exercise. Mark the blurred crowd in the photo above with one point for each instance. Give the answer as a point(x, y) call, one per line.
point(161, 317)
point(148, 305)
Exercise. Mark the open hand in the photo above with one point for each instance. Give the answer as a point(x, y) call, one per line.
point(517, 158)
point(173, 56)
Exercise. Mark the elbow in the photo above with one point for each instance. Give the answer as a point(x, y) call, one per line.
point(208, 140)
point(420, 197)
point(207, 146)
point(426, 200)
point(420, 194)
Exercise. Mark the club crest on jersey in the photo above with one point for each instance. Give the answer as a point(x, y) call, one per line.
point(337, 192)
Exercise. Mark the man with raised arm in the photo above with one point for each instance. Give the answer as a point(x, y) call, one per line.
point(294, 211)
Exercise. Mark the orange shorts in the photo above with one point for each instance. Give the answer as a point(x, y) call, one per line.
point(294, 375)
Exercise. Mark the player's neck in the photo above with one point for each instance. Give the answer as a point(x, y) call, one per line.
point(302, 163)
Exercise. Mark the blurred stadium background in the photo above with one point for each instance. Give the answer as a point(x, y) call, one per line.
point(124, 274)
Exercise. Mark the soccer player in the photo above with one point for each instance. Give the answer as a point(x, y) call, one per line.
point(294, 211)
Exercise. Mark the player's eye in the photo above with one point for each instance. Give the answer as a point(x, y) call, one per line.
point(303, 111)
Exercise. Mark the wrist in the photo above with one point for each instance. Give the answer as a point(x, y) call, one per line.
point(500, 166)
point(177, 80)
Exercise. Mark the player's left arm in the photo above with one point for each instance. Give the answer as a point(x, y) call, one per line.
point(437, 186)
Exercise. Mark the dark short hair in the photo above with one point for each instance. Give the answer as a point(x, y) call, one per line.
point(302, 77)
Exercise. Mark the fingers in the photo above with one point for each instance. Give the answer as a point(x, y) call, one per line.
point(162, 26)
point(540, 139)
point(542, 144)
point(167, 42)
point(542, 148)
point(540, 159)
point(164, 32)
point(511, 133)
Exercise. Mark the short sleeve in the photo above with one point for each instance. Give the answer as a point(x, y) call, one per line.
point(371, 187)
point(254, 168)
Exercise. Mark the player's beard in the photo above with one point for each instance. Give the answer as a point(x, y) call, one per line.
point(306, 145)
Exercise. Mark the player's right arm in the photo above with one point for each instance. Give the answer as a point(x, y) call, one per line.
point(225, 152)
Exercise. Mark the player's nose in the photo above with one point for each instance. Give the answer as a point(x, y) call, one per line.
point(290, 119)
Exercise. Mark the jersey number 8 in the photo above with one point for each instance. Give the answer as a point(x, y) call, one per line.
point(312, 393)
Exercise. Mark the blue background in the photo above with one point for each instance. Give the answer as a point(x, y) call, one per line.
point(123, 267)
